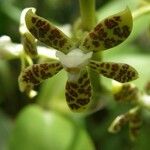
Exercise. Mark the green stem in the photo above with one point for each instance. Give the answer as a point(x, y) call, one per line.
point(88, 21)
point(95, 77)
point(87, 10)
point(141, 11)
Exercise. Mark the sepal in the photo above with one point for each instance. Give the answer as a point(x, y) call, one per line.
point(118, 71)
point(78, 92)
point(47, 33)
point(29, 44)
point(110, 32)
point(35, 74)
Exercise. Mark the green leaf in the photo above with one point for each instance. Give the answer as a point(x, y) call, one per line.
point(110, 32)
point(36, 73)
point(118, 71)
point(40, 129)
point(78, 93)
point(47, 33)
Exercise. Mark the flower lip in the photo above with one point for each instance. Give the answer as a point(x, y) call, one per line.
point(74, 59)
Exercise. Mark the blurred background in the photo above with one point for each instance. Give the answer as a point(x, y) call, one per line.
point(92, 129)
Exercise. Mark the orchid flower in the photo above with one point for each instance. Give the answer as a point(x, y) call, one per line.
point(76, 57)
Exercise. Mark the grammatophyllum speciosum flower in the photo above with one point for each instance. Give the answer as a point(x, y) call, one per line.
point(75, 58)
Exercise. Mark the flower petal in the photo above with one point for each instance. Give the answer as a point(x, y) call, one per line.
point(118, 123)
point(36, 73)
point(109, 32)
point(118, 71)
point(75, 58)
point(27, 39)
point(47, 33)
point(29, 44)
point(135, 124)
point(127, 92)
point(78, 93)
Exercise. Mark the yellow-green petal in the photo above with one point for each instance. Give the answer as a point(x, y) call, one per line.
point(118, 71)
point(119, 122)
point(109, 32)
point(29, 44)
point(27, 39)
point(78, 92)
point(135, 125)
point(127, 92)
point(47, 33)
point(36, 73)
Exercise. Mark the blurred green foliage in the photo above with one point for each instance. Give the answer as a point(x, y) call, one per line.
point(135, 51)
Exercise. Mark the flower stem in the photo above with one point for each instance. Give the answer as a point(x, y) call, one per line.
point(141, 11)
point(88, 21)
point(87, 10)
point(95, 77)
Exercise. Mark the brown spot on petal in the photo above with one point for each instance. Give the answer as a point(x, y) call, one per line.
point(126, 31)
point(103, 71)
point(112, 74)
point(43, 30)
point(56, 33)
point(73, 85)
point(29, 78)
point(36, 70)
point(117, 18)
point(96, 43)
point(73, 93)
point(85, 75)
point(80, 80)
point(69, 98)
point(125, 66)
point(98, 27)
point(109, 42)
point(55, 42)
point(34, 32)
point(102, 34)
point(62, 42)
point(110, 23)
point(102, 64)
point(115, 67)
point(93, 36)
point(117, 31)
point(40, 23)
point(83, 101)
point(45, 75)
point(74, 106)
point(81, 90)
point(107, 65)
point(85, 83)
point(34, 19)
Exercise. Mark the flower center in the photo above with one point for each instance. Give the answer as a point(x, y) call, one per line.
point(73, 62)
point(74, 59)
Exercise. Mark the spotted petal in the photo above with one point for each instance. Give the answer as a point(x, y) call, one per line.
point(29, 44)
point(27, 39)
point(135, 125)
point(47, 33)
point(117, 71)
point(78, 92)
point(36, 73)
point(119, 122)
point(109, 32)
